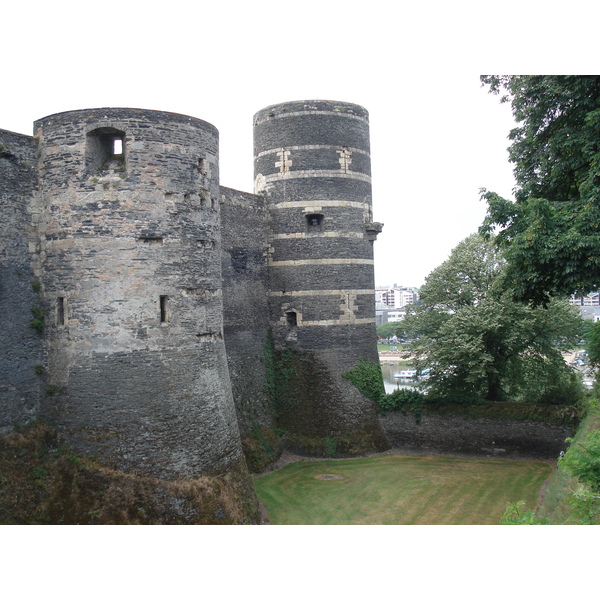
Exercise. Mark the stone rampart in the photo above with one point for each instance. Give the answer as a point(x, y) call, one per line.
point(21, 356)
point(475, 436)
point(245, 305)
point(155, 289)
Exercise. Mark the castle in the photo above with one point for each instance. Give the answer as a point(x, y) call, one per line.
point(143, 306)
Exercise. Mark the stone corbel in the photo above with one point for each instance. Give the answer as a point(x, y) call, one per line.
point(373, 230)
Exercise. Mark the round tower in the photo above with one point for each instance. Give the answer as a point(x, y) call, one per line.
point(312, 163)
point(130, 255)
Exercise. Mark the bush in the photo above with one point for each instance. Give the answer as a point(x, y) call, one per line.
point(262, 448)
point(367, 377)
point(582, 460)
point(37, 322)
point(404, 400)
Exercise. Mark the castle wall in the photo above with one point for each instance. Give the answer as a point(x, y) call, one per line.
point(312, 162)
point(475, 436)
point(131, 254)
point(245, 307)
point(160, 289)
point(21, 378)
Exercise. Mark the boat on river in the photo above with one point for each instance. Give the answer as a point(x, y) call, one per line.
point(412, 374)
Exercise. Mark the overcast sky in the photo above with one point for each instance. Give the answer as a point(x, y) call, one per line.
point(437, 136)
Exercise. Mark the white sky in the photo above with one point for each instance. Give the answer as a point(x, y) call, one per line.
point(437, 136)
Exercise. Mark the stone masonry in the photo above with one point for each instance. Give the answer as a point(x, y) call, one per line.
point(312, 164)
point(137, 293)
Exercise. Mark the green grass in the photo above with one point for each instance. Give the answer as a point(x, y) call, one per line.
point(399, 490)
point(386, 347)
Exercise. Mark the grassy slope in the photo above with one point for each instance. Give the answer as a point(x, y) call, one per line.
point(554, 509)
point(399, 489)
point(41, 483)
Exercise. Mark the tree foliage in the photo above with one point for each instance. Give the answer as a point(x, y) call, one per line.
point(477, 345)
point(388, 329)
point(551, 233)
point(593, 344)
point(582, 460)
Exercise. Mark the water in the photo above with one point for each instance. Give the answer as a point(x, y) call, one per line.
point(391, 383)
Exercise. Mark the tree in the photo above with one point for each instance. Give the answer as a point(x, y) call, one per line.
point(478, 345)
point(593, 344)
point(388, 329)
point(582, 460)
point(551, 233)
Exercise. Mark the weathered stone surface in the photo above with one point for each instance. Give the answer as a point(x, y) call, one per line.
point(131, 259)
point(21, 354)
point(159, 287)
point(476, 436)
point(312, 164)
point(245, 305)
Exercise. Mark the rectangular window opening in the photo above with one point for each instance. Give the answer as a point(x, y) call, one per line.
point(315, 222)
point(117, 146)
point(60, 311)
point(163, 309)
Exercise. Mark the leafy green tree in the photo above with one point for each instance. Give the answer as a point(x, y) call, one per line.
point(551, 234)
point(389, 329)
point(593, 344)
point(582, 460)
point(476, 345)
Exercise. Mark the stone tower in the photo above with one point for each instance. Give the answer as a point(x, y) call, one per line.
point(130, 267)
point(312, 164)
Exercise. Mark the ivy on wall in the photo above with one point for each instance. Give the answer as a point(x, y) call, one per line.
point(278, 372)
point(367, 377)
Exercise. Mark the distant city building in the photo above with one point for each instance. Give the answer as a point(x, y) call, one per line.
point(592, 299)
point(590, 313)
point(588, 305)
point(383, 315)
point(395, 297)
point(391, 302)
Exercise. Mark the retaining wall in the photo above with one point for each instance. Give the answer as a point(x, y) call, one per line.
point(475, 436)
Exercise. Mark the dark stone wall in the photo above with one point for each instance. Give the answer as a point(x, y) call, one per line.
point(245, 306)
point(312, 163)
point(312, 123)
point(21, 379)
point(475, 436)
point(160, 287)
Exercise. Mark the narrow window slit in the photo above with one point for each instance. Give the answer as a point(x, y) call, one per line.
point(60, 311)
point(163, 309)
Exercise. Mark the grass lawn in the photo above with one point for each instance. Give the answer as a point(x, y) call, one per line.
point(386, 347)
point(395, 489)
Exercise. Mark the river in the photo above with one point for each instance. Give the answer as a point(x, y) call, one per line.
point(389, 380)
